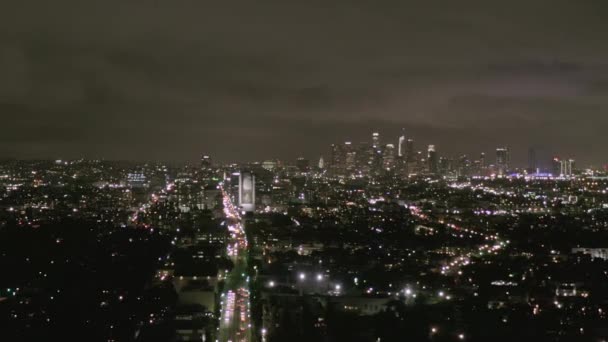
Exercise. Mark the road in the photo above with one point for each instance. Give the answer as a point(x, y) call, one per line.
point(235, 321)
point(492, 245)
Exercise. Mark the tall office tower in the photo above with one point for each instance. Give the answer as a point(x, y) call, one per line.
point(556, 166)
point(321, 163)
point(206, 162)
point(350, 160)
point(376, 140)
point(410, 155)
point(365, 155)
point(502, 160)
point(388, 156)
point(303, 164)
point(445, 166)
point(464, 166)
point(432, 159)
point(247, 191)
point(420, 163)
point(375, 161)
point(234, 180)
point(400, 147)
point(478, 166)
point(532, 161)
point(338, 159)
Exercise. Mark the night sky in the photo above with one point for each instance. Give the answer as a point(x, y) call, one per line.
point(252, 80)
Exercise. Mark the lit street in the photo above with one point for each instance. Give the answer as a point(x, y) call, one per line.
point(235, 315)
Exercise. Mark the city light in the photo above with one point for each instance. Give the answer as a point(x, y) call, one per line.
point(378, 232)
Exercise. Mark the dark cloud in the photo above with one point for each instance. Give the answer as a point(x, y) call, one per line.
point(249, 80)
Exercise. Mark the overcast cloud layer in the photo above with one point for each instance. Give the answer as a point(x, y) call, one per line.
point(245, 80)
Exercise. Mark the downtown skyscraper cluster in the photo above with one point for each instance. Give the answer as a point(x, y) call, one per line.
point(405, 158)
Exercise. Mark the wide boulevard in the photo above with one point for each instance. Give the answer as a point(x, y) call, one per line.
point(235, 324)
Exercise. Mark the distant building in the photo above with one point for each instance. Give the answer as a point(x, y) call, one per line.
point(409, 150)
point(269, 165)
point(376, 140)
point(365, 157)
point(206, 162)
point(432, 159)
point(502, 160)
point(303, 164)
point(321, 164)
point(562, 167)
point(532, 161)
point(137, 180)
point(400, 146)
point(247, 191)
point(388, 156)
point(350, 156)
point(596, 253)
point(338, 159)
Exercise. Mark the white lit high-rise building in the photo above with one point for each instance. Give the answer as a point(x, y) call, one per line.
point(400, 147)
point(376, 140)
point(388, 156)
point(502, 160)
point(432, 159)
point(247, 191)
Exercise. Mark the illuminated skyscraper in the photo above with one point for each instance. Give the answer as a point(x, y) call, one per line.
point(375, 161)
point(463, 166)
point(206, 162)
point(432, 159)
point(247, 191)
point(388, 156)
point(338, 159)
point(400, 147)
point(365, 156)
point(479, 165)
point(502, 160)
point(350, 156)
point(376, 140)
point(410, 155)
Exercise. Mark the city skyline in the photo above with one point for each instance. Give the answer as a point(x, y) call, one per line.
point(518, 158)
